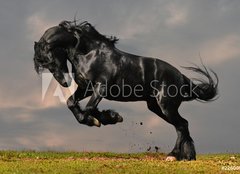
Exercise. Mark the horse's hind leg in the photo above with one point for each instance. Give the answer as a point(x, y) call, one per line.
point(184, 147)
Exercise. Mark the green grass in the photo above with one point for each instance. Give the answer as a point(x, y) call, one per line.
point(92, 162)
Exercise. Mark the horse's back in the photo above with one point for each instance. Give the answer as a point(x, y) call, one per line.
point(147, 69)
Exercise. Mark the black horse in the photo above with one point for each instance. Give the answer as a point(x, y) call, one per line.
point(103, 71)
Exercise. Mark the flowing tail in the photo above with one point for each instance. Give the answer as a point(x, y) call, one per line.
point(202, 90)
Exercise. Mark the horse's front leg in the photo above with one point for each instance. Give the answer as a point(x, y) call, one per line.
point(78, 112)
point(97, 95)
point(105, 117)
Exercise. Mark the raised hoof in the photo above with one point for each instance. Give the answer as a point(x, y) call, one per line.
point(110, 117)
point(96, 122)
point(92, 121)
point(171, 158)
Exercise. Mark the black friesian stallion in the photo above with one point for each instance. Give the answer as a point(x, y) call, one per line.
point(103, 71)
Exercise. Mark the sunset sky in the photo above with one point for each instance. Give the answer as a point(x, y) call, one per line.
point(174, 31)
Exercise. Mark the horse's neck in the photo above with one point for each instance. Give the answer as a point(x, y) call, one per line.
point(93, 44)
point(85, 59)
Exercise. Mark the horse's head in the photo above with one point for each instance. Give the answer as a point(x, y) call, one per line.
point(51, 52)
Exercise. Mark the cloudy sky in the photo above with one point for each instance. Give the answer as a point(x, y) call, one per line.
point(175, 31)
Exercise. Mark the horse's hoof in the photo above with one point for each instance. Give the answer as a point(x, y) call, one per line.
point(96, 122)
point(171, 158)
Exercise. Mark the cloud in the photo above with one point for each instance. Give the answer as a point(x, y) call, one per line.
point(177, 15)
point(37, 24)
point(140, 23)
point(222, 49)
point(47, 140)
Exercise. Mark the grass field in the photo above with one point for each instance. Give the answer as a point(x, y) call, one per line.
point(92, 162)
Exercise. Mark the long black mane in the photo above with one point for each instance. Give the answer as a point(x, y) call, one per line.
point(86, 29)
